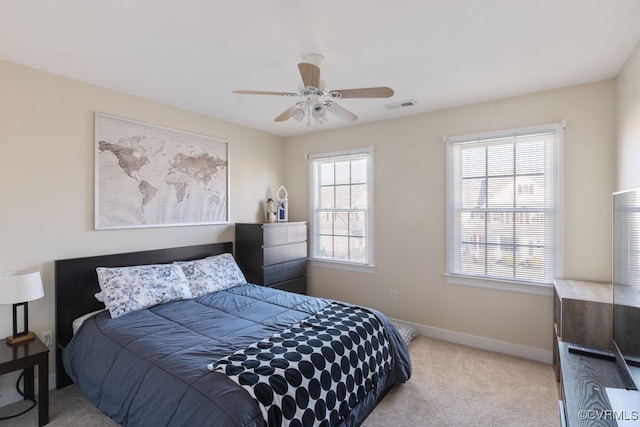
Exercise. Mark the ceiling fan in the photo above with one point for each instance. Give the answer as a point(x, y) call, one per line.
point(317, 98)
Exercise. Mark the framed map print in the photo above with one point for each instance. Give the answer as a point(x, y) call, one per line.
point(152, 176)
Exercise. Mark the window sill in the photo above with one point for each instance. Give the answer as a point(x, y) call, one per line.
point(362, 268)
point(502, 285)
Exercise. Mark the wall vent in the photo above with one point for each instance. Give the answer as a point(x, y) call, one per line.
point(401, 104)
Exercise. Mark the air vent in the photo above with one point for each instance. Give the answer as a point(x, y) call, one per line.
point(401, 104)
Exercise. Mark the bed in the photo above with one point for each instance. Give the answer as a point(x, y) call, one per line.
point(242, 355)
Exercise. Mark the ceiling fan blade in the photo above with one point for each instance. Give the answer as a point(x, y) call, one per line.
point(310, 74)
point(339, 111)
point(263, 92)
point(286, 114)
point(365, 92)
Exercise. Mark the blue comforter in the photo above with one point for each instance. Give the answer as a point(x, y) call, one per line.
point(149, 367)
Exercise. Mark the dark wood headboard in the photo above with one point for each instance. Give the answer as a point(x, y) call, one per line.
point(77, 282)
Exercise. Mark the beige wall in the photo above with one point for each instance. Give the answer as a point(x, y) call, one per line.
point(628, 125)
point(410, 211)
point(47, 180)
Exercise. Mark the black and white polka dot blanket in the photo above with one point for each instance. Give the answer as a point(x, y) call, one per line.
point(314, 373)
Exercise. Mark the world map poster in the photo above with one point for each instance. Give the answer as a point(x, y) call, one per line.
point(152, 176)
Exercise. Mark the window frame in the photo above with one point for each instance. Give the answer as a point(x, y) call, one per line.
point(313, 159)
point(484, 281)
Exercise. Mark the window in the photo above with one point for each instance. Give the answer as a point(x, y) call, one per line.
point(504, 199)
point(341, 206)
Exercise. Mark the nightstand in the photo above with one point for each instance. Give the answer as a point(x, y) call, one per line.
point(26, 356)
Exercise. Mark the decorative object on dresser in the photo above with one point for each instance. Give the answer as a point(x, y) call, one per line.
point(18, 288)
point(273, 255)
point(283, 204)
point(270, 210)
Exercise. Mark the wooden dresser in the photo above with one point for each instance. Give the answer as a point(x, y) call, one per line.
point(582, 357)
point(273, 254)
point(582, 313)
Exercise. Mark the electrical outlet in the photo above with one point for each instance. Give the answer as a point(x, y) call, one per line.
point(47, 338)
point(392, 294)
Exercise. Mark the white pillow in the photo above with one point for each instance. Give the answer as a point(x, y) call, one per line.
point(80, 320)
point(212, 274)
point(126, 289)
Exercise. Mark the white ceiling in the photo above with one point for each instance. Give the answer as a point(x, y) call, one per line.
point(442, 53)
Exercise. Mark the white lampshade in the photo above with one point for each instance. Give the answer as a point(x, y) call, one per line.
point(20, 286)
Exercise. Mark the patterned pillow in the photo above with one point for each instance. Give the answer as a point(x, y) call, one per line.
point(126, 289)
point(212, 274)
point(407, 332)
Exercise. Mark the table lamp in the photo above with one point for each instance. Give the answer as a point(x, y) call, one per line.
point(18, 288)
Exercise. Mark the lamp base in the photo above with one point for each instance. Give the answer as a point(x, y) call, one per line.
point(21, 338)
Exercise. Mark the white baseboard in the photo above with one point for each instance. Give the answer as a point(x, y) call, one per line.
point(504, 347)
point(8, 393)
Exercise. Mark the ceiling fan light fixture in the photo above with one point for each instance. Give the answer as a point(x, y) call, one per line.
point(319, 113)
point(298, 114)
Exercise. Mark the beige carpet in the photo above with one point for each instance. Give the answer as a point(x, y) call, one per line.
point(452, 385)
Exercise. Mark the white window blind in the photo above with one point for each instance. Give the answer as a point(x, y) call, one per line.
point(341, 206)
point(504, 198)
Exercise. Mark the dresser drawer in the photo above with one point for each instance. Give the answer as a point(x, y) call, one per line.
point(298, 285)
point(274, 235)
point(284, 253)
point(281, 234)
point(285, 271)
point(297, 233)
